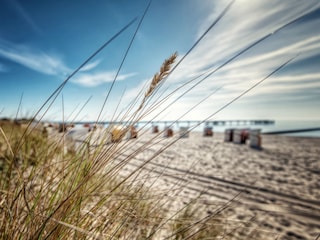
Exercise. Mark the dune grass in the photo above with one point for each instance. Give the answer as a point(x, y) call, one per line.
point(50, 192)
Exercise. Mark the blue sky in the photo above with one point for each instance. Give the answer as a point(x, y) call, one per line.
point(43, 42)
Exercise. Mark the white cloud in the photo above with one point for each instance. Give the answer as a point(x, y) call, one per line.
point(245, 23)
point(90, 66)
point(98, 78)
point(33, 59)
point(42, 62)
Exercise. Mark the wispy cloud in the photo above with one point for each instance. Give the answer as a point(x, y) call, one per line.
point(34, 59)
point(90, 66)
point(98, 78)
point(50, 64)
point(232, 36)
point(243, 25)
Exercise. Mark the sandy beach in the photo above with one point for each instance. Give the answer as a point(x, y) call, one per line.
point(271, 193)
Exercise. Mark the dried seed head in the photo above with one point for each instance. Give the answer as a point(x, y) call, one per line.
point(164, 71)
point(158, 77)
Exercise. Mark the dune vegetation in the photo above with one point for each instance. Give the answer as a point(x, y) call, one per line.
point(49, 191)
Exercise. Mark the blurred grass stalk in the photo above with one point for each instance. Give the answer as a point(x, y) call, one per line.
point(48, 193)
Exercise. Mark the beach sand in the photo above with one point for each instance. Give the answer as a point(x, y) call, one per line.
point(271, 193)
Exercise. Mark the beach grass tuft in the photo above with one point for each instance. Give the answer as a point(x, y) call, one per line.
point(49, 191)
point(52, 187)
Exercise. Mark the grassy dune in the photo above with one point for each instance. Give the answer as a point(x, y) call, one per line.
point(50, 193)
point(47, 192)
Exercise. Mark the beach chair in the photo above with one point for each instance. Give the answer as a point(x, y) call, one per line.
point(240, 136)
point(168, 132)
point(255, 138)
point(155, 129)
point(184, 132)
point(228, 135)
point(133, 132)
point(207, 131)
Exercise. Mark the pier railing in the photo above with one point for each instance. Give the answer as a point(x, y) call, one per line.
point(192, 122)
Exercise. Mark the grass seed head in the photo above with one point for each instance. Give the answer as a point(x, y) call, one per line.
point(158, 77)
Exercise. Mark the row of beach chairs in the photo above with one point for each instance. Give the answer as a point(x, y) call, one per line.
point(242, 136)
point(239, 136)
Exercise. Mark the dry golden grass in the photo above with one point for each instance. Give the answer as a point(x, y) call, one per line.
point(49, 193)
point(158, 78)
point(163, 73)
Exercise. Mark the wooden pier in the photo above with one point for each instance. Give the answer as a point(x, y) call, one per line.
point(242, 122)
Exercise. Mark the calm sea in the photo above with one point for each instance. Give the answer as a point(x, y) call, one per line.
point(291, 125)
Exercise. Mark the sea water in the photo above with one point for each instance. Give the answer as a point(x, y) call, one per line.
point(282, 125)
